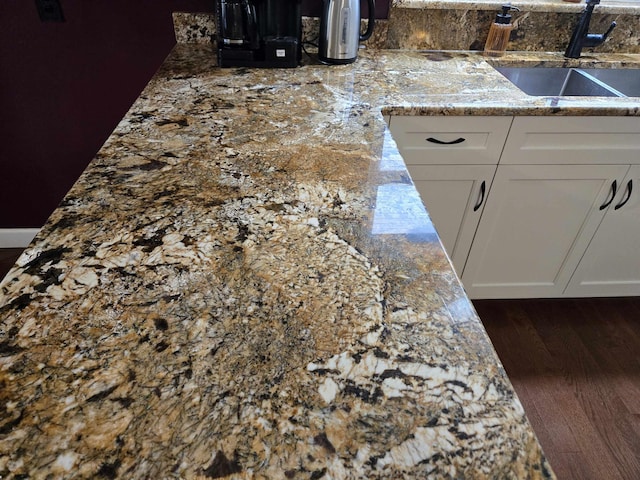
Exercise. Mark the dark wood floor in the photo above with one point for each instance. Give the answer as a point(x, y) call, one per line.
point(575, 365)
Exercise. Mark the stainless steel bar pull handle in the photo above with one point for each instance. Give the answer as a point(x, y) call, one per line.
point(483, 189)
point(614, 190)
point(442, 142)
point(624, 202)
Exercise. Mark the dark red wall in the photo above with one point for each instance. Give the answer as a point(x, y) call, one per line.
point(312, 8)
point(65, 86)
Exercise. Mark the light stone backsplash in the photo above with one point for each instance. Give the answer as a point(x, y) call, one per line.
point(456, 29)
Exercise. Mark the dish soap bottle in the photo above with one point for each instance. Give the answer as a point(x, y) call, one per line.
point(499, 33)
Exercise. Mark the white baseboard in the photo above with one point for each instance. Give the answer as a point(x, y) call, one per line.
point(17, 237)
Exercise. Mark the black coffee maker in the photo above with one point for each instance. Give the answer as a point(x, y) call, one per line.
point(259, 33)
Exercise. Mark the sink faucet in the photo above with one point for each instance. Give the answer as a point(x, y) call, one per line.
point(581, 36)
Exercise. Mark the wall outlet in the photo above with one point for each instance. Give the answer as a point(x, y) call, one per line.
point(50, 10)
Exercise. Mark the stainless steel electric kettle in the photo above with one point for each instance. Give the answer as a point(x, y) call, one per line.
point(340, 30)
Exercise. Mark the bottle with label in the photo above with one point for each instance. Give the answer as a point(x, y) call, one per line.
point(499, 33)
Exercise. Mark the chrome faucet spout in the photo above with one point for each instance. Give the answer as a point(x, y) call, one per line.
point(581, 36)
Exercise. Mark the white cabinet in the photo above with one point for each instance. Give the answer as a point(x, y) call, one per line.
point(454, 196)
point(550, 221)
point(573, 141)
point(452, 161)
point(560, 217)
point(611, 263)
point(450, 140)
point(536, 225)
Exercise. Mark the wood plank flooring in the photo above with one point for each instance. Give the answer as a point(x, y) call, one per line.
point(575, 365)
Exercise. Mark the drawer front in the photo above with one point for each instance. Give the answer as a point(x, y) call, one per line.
point(450, 140)
point(573, 140)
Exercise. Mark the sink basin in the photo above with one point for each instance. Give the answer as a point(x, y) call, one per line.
point(624, 80)
point(559, 81)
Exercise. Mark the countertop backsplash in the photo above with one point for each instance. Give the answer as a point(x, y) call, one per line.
point(449, 29)
point(607, 6)
point(201, 28)
point(437, 28)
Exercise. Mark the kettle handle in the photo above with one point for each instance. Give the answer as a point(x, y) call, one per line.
point(372, 19)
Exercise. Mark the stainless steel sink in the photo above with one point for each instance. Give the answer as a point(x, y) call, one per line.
point(558, 81)
point(624, 80)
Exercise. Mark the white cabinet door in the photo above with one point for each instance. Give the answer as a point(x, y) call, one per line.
point(611, 263)
point(454, 197)
point(536, 225)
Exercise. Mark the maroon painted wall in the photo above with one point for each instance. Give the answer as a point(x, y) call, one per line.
point(65, 86)
point(312, 8)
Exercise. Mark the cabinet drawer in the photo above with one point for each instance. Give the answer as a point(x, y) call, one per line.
point(573, 140)
point(450, 140)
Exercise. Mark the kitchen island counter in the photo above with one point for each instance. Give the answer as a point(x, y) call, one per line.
point(244, 283)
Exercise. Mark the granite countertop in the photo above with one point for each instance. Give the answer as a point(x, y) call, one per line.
point(244, 283)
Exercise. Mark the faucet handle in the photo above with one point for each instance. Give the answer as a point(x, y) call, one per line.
point(611, 27)
point(595, 39)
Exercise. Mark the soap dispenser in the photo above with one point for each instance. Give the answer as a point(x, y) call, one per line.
point(499, 32)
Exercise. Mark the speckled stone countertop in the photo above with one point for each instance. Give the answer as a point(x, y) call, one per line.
point(244, 283)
